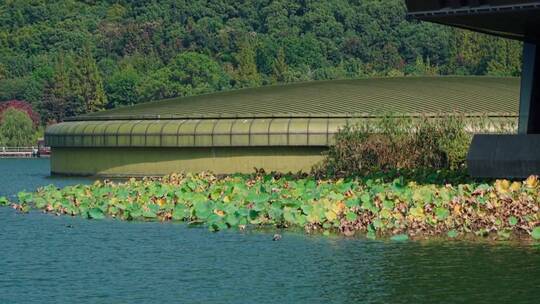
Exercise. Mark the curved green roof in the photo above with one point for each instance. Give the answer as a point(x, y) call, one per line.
point(338, 98)
point(196, 132)
point(305, 114)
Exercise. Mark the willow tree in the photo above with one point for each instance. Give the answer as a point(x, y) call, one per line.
point(16, 129)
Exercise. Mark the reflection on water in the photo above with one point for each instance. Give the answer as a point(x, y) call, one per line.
point(29, 174)
point(48, 259)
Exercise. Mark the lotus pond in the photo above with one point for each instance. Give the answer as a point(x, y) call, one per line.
point(64, 259)
point(398, 209)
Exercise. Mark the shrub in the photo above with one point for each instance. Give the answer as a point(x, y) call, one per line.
point(398, 143)
point(16, 129)
point(22, 106)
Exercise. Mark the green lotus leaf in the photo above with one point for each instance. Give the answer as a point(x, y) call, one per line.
point(180, 213)
point(4, 201)
point(351, 216)
point(243, 211)
point(232, 220)
point(289, 215)
point(40, 202)
point(310, 184)
point(442, 213)
point(365, 199)
point(378, 224)
point(96, 213)
point(536, 233)
point(307, 209)
point(253, 215)
point(452, 234)
point(336, 196)
point(385, 213)
point(24, 197)
point(262, 198)
point(352, 202)
point(388, 204)
point(369, 206)
point(149, 213)
point(216, 194)
point(512, 221)
point(400, 238)
point(134, 213)
point(275, 213)
point(202, 211)
point(301, 220)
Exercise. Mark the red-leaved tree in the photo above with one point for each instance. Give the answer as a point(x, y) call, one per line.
point(22, 106)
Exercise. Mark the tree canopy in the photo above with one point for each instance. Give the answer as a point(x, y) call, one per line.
point(16, 129)
point(69, 57)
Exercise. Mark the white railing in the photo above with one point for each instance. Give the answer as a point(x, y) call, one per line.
point(18, 152)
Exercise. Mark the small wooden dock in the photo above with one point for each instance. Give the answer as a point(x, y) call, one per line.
point(18, 152)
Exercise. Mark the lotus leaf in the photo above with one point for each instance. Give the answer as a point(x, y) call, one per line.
point(512, 221)
point(452, 234)
point(442, 213)
point(400, 238)
point(536, 233)
point(96, 213)
point(351, 216)
point(4, 201)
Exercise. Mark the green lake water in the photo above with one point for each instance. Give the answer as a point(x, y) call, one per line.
point(50, 259)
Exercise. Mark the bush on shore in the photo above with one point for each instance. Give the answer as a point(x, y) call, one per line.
point(403, 144)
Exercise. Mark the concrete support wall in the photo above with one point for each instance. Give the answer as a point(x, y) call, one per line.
point(122, 162)
point(529, 103)
point(514, 156)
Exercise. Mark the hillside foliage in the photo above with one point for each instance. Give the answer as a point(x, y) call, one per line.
point(70, 57)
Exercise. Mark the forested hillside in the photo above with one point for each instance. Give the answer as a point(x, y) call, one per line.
point(68, 57)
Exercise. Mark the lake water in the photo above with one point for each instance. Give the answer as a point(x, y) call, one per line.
point(49, 259)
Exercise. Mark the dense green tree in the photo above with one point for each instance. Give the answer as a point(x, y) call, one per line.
point(280, 67)
point(246, 73)
point(196, 73)
point(16, 129)
point(57, 100)
point(87, 85)
point(121, 88)
point(124, 52)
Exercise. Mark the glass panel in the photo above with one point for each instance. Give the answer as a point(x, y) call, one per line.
point(153, 133)
point(278, 132)
point(259, 132)
point(240, 133)
point(298, 132)
point(203, 133)
point(222, 132)
point(186, 133)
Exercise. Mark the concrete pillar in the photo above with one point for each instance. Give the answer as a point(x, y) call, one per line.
point(529, 105)
point(513, 156)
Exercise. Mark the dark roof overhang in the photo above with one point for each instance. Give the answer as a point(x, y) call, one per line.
point(518, 19)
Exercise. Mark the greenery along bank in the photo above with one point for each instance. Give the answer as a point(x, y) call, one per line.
point(372, 207)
